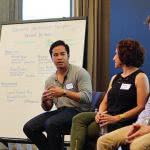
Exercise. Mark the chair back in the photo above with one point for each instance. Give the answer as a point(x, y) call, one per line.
point(97, 98)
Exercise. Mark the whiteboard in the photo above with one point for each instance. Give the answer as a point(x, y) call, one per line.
point(25, 64)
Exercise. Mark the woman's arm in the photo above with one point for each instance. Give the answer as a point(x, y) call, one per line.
point(142, 86)
point(103, 105)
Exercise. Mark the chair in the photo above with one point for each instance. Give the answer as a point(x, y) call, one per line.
point(96, 100)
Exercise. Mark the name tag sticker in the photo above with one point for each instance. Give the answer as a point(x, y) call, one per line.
point(125, 86)
point(69, 86)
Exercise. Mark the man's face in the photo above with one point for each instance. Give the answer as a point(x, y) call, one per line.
point(60, 57)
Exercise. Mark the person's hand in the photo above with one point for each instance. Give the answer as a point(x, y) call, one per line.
point(47, 100)
point(97, 117)
point(108, 119)
point(134, 128)
point(136, 131)
point(56, 91)
point(46, 96)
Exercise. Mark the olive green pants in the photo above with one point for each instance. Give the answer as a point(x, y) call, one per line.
point(84, 131)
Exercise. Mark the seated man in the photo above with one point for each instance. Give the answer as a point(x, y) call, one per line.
point(70, 89)
point(138, 134)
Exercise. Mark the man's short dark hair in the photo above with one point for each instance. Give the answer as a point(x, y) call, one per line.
point(130, 52)
point(58, 43)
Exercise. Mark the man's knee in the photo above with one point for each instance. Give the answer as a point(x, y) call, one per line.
point(52, 127)
point(27, 128)
point(101, 143)
point(106, 142)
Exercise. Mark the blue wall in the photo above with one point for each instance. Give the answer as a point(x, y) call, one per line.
point(127, 21)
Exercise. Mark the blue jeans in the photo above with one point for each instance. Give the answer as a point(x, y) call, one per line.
point(54, 123)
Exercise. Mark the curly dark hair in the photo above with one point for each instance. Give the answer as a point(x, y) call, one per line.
point(58, 43)
point(130, 52)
